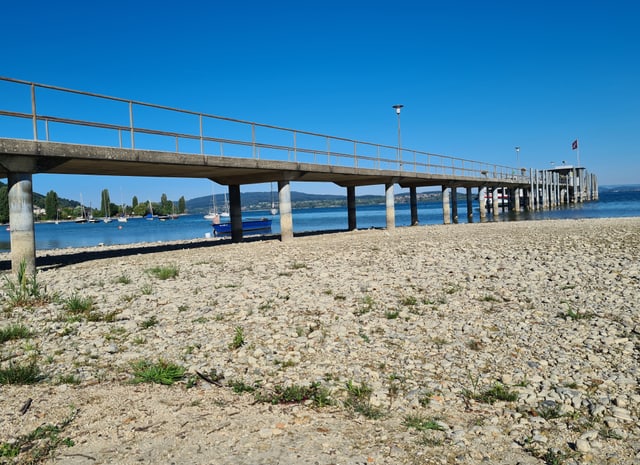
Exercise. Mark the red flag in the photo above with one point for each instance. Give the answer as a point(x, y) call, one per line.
point(574, 144)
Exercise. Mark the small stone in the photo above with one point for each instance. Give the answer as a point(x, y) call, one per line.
point(582, 445)
point(621, 414)
point(112, 349)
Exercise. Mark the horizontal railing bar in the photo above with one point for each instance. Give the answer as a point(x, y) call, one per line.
point(223, 118)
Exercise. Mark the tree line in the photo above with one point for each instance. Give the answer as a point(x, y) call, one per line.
point(52, 207)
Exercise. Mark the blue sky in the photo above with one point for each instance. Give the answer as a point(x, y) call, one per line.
point(476, 78)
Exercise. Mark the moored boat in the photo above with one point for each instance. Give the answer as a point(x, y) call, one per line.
point(248, 225)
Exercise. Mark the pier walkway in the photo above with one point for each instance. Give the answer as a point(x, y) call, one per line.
point(48, 129)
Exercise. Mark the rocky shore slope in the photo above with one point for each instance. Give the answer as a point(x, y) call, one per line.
point(497, 343)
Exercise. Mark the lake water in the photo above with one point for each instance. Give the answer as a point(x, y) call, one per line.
point(137, 230)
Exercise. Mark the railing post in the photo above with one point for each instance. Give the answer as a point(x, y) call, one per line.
point(133, 144)
point(355, 154)
point(328, 151)
point(295, 149)
point(201, 138)
point(253, 140)
point(34, 114)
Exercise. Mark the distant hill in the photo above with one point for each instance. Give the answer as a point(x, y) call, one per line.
point(620, 188)
point(262, 200)
point(38, 200)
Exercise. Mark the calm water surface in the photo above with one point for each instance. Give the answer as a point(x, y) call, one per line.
point(64, 235)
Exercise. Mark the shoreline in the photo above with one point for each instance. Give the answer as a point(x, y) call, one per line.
point(160, 246)
point(427, 319)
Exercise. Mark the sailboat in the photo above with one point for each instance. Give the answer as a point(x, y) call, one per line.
point(225, 212)
point(149, 216)
point(83, 216)
point(123, 218)
point(213, 211)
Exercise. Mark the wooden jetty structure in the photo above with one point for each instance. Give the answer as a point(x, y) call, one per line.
point(49, 129)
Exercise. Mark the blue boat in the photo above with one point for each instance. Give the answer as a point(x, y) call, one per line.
point(254, 225)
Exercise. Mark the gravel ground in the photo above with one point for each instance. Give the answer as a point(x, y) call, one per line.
point(498, 343)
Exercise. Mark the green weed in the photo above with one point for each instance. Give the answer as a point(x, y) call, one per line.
point(13, 332)
point(162, 372)
point(295, 394)
point(20, 374)
point(39, 445)
point(421, 424)
point(149, 322)
point(25, 291)
point(164, 272)
point(238, 338)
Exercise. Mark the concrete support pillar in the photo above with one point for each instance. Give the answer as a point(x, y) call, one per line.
point(482, 203)
point(413, 202)
point(495, 206)
point(531, 191)
point(235, 212)
point(446, 206)
point(351, 208)
point(286, 217)
point(391, 208)
point(23, 241)
point(469, 205)
point(545, 198)
point(516, 199)
point(595, 187)
point(454, 205)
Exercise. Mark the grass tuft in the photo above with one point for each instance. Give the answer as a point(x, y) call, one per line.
point(421, 424)
point(25, 290)
point(495, 393)
point(238, 338)
point(295, 394)
point(13, 332)
point(162, 372)
point(359, 400)
point(164, 272)
point(20, 374)
point(38, 446)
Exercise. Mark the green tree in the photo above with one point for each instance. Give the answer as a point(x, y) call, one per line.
point(105, 202)
point(134, 202)
point(165, 205)
point(51, 205)
point(4, 204)
point(182, 205)
point(140, 209)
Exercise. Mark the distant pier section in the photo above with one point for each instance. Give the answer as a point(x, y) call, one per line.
point(49, 129)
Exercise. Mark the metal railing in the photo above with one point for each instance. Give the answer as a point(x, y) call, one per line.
point(101, 120)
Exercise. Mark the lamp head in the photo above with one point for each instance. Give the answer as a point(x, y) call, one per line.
point(398, 107)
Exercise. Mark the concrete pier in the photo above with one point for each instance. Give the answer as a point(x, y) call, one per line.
point(495, 203)
point(413, 203)
point(390, 207)
point(286, 217)
point(23, 243)
point(351, 208)
point(482, 203)
point(235, 212)
point(446, 205)
point(469, 205)
point(454, 205)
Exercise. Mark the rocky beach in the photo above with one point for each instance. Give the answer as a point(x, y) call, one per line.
point(497, 343)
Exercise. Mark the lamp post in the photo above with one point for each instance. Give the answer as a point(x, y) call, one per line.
point(399, 157)
point(518, 155)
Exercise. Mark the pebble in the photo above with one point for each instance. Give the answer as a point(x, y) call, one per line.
point(418, 315)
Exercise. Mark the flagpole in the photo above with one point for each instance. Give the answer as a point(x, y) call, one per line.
point(578, 152)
